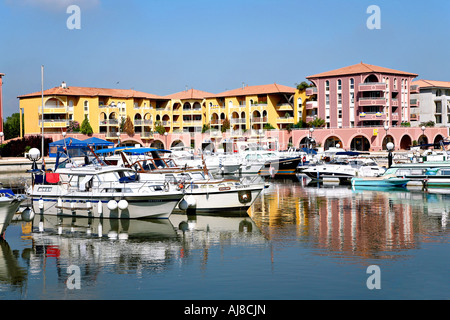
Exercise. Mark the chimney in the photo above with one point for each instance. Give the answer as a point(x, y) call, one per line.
point(1, 106)
point(63, 85)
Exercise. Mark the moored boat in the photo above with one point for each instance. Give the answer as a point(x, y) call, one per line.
point(387, 181)
point(9, 204)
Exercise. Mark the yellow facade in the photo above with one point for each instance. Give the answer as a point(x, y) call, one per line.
point(245, 111)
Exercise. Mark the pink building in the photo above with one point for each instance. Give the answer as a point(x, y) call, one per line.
point(363, 107)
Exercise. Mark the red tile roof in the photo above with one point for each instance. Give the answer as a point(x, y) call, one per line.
point(93, 92)
point(189, 94)
point(255, 90)
point(358, 69)
point(431, 84)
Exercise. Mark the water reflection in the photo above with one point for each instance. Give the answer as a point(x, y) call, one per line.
point(119, 246)
point(364, 223)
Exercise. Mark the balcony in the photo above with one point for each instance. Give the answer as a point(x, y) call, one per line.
point(237, 121)
point(372, 86)
point(311, 91)
point(311, 104)
point(414, 102)
point(110, 122)
point(258, 119)
point(284, 107)
point(285, 120)
point(414, 117)
point(54, 110)
point(146, 135)
point(372, 101)
point(414, 89)
point(395, 116)
point(56, 123)
point(370, 116)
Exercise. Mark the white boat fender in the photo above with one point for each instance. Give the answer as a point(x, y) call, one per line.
point(123, 204)
point(60, 203)
point(187, 202)
point(28, 214)
point(112, 205)
point(100, 208)
point(41, 203)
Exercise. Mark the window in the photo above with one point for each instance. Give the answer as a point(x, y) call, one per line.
point(352, 84)
point(339, 98)
point(327, 85)
point(395, 83)
point(327, 99)
point(86, 107)
point(339, 85)
point(352, 97)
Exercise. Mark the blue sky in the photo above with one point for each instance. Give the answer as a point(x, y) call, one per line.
point(161, 46)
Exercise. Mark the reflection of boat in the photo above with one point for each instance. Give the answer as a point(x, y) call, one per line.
point(387, 181)
point(9, 203)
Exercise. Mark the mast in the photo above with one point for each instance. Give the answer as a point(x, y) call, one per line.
point(42, 111)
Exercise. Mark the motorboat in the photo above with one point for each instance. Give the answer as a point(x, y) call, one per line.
point(280, 167)
point(203, 192)
point(385, 181)
point(9, 204)
point(92, 189)
point(345, 169)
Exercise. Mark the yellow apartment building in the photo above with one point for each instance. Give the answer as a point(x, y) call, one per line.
point(247, 108)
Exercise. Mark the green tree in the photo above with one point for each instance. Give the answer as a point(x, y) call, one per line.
point(11, 127)
point(303, 85)
point(206, 127)
point(159, 128)
point(86, 127)
point(317, 123)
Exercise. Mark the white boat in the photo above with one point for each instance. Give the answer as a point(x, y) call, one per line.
point(9, 204)
point(203, 192)
point(345, 170)
point(93, 190)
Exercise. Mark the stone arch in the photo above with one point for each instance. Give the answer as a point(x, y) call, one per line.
point(53, 102)
point(157, 144)
point(371, 78)
point(360, 143)
point(332, 141)
point(386, 140)
point(405, 142)
point(177, 143)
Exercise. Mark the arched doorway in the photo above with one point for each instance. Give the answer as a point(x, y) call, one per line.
point(177, 143)
point(405, 142)
point(360, 143)
point(332, 142)
point(386, 140)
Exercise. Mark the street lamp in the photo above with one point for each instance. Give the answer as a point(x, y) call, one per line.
point(386, 127)
point(311, 130)
point(390, 147)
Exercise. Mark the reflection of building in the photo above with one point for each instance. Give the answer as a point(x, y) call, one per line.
point(358, 223)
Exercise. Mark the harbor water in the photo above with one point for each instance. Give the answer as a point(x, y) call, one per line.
point(299, 241)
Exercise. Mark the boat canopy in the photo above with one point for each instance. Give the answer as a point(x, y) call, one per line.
point(134, 151)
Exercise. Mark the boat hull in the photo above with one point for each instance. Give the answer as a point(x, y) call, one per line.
point(281, 167)
point(226, 201)
point(8, 208)
point(97, 206)
point(375, 182)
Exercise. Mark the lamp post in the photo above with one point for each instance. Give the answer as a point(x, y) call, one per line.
point(423, 131)
point(311, 130)
point(386, 127)
point(390, 147)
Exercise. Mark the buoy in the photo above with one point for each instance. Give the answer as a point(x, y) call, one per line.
point(28, 214)
point(183, 205)
point(112, 205)
point(123, 204)
point(112, 235)
point(99, 208)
